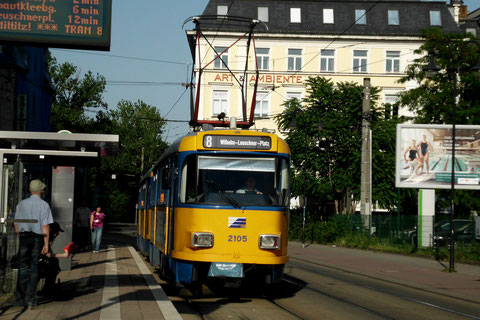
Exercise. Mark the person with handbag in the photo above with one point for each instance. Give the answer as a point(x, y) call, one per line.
point(96, 225)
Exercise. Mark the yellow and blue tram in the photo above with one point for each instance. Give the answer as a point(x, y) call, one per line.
point(215, 205)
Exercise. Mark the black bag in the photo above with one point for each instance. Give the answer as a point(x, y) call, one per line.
point(47, 267)
point(43, 265)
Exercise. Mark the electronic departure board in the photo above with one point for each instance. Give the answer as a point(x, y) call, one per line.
point(82, 24)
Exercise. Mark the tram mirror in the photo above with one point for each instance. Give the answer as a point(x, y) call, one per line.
point(166, 178)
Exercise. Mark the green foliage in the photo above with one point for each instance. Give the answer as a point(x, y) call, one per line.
point(73, 96)
point(140, 127)
point(348, 231)
point(433, 100)
point(138, 124)
point(327, 161)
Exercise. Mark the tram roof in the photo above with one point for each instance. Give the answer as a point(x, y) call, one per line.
point(175, 146)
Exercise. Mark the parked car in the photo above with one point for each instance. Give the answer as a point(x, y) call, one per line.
point(464, 231)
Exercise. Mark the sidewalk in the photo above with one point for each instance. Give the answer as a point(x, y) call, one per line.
point(415, 272)
point(112, 284)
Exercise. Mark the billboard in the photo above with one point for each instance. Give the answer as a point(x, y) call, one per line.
point(82, 24)
point(424, 156)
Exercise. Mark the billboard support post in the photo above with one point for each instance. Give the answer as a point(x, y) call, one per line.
point(452, 69)
point(452, 212)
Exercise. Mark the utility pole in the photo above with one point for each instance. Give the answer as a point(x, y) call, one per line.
point(366, 176)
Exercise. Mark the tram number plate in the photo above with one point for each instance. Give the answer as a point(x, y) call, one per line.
point(232, 238)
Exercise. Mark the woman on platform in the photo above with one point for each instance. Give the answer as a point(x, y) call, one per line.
point(96, 225)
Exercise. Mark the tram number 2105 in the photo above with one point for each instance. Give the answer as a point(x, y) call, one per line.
point(232, 238)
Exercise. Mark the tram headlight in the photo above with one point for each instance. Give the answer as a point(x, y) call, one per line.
point(202, 240)
point(269, 242)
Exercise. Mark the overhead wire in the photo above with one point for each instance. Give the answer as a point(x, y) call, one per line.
point(125, 57)
point(176, 102)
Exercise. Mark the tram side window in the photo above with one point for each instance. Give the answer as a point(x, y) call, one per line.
point(189, 193)
point(149, 194)
point(283, 178)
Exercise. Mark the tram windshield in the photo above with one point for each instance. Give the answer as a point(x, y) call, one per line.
point(235, 181)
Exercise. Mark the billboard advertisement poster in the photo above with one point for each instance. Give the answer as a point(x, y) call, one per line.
point(424, 156)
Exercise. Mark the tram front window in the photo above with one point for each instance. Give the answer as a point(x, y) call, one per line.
point(235, 181)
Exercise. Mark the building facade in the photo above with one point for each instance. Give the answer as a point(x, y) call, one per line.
point(345, 41)
point(25, 89)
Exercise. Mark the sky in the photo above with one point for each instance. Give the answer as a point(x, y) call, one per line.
point(150, 34)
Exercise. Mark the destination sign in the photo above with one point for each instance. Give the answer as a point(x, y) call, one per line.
point(83, 24)
point(237, 142)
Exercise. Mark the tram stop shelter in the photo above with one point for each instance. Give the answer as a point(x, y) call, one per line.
point(57, 159)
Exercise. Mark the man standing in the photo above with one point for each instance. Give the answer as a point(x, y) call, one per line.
point(33, 241)
point(81, 221)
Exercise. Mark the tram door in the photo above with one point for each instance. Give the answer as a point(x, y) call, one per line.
point(63, 181)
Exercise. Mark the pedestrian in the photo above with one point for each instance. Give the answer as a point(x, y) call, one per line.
point(34, 240)
point(49, 265)
point(81, 221)
point(96, 225)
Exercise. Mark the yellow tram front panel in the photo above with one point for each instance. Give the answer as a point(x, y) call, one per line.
point(231, 245)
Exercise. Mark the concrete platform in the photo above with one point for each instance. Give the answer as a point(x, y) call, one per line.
point(112, 284)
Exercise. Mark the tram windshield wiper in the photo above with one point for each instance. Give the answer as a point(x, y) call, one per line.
point(213, 186)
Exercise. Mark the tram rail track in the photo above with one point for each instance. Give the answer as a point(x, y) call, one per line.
point(387, 281)
point(386, 292)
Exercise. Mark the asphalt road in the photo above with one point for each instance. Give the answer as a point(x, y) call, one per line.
point(314, 291)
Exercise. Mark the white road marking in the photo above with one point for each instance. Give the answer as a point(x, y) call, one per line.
point(110, 308)
point(166, 306)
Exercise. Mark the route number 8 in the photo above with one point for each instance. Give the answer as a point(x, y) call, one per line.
point(208, 141)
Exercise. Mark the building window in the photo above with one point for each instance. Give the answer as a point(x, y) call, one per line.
point(263, 58)
point(220, 101)
point(327, 60)
point(328, 16)
point(219, 64)
point(294, 59)
point(435, 19)
point(222, 10)
point(391, 106)
point(294, 95)
point(393, 61)
point(261, 104)
point(360, 16)
point(393, 19)
point(263, 14)
point(295, 15)
point(359, 60)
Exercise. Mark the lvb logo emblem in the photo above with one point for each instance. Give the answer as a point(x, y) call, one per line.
point(237, 222)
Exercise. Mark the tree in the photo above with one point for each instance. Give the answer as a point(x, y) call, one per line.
point(432, 101)
point(140, 127)
point(74, 95)
point(327, 163)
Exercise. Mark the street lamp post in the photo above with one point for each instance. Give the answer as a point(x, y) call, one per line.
point(454, 71)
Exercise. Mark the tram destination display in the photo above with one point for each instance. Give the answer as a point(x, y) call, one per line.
point(424, 156)
point(237, 142)
point(82, 24)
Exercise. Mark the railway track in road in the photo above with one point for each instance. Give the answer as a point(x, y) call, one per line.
point(312, 291)
point(319, 278)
